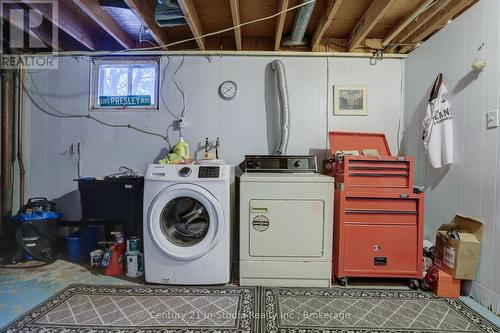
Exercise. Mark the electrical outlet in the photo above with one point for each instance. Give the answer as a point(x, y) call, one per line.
point(182, 122)
point(492, 119)
point(179, 123)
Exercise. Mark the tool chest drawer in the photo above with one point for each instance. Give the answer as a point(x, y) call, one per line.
point(388, 173)
point(381, 248)
point(381, 210)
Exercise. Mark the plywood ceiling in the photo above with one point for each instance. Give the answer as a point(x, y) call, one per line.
point(335, 25)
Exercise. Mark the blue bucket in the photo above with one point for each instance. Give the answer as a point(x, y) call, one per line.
point(74, 243)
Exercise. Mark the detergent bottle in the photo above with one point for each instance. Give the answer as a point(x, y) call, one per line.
point(182, 148)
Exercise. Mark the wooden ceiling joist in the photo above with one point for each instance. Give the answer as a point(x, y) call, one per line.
point(42, 35)
point(67, 22)
point(191, 15)
point(93, 9)
point(324, 22)
point(370, 18)
point(437, 22)
point(145, 13)
point(418, 23)
point(235, 13)
point(280, 23)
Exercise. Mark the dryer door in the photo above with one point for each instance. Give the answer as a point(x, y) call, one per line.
point(185, 221)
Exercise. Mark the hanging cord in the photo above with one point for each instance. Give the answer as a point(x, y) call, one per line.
point(60, 114)
point(144, 40)
point(161, 88)
point(178, 87)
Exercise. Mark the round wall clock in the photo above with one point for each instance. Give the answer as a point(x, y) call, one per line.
point(228, 90)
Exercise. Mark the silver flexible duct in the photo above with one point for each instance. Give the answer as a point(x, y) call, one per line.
point(283, 102)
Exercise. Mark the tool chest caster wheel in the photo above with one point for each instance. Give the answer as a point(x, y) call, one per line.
point(414, 284)
point(343, 281)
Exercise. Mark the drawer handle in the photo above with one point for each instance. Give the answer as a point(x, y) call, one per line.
point(377, 175)
point(368, 211)
point(380, 261)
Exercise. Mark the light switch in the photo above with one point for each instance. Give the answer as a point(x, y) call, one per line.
point(492, 119)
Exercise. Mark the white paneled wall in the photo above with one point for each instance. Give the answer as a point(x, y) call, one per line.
point(469, 186)
point(245, 124)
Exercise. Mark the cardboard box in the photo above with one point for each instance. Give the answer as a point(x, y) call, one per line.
point(459, 257)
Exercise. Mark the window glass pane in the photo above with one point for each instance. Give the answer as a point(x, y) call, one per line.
point(134, 82)
point(114, 80)
point(143, 81)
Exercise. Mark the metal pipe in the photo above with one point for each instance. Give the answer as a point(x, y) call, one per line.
point(7, 93)
point(279, 68)
point(20, 141)
point(407, 21)
point(300, 24)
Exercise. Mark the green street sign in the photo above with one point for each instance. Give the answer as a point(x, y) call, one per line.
point(129, 100)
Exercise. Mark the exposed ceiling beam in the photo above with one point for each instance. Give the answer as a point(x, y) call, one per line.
point(93, 9)
point(324, 22)
point(280, 23)
point(406, 21)
point(370, 18)
point(235, 13)
point(67, 22)
point(418, 22)
point(189, 10)
point(40, 33)
point(145, 13)
point(437, 22)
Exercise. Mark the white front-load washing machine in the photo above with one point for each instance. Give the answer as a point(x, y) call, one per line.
point(187, 224)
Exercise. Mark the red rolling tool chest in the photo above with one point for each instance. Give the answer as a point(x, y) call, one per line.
point(378, 220)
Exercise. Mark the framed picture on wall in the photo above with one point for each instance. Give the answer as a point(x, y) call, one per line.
point(350, 101)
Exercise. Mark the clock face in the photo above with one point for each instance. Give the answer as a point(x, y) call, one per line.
point(228, 89)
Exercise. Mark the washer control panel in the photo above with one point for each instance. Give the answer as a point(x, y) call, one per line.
point(185, 172)
point(208, 172)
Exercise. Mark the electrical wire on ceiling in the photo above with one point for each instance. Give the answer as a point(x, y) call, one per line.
point(60, 114)
point(140, 36)
point(163, 46)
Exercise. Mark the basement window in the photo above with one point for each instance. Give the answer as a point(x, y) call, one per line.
point(124, 84)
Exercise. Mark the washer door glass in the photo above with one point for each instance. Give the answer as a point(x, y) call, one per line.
point(185, 221)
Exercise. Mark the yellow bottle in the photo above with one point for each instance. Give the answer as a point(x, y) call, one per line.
point(182, 148)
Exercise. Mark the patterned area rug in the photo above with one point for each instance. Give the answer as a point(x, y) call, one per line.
point(81, 308)
point(298, 310)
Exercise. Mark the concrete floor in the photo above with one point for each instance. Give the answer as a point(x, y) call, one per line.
point(22, 289)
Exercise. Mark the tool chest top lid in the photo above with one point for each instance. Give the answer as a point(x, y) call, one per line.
point(344, 141)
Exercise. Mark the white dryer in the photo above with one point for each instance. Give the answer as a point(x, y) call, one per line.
point(286, 223)
point(187, 224)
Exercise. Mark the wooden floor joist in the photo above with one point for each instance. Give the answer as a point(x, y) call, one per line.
point(93, 9)
point(67, 22)
point(235, 13)
point(437, 22)
point(280, 23)
point(324, 22)
point(145, 13)
point(370, 18)
point(418, 23)
point(191, 15)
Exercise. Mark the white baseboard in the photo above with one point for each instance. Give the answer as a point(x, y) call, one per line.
point(484, 296)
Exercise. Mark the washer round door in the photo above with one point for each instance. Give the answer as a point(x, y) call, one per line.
point(185, 221)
